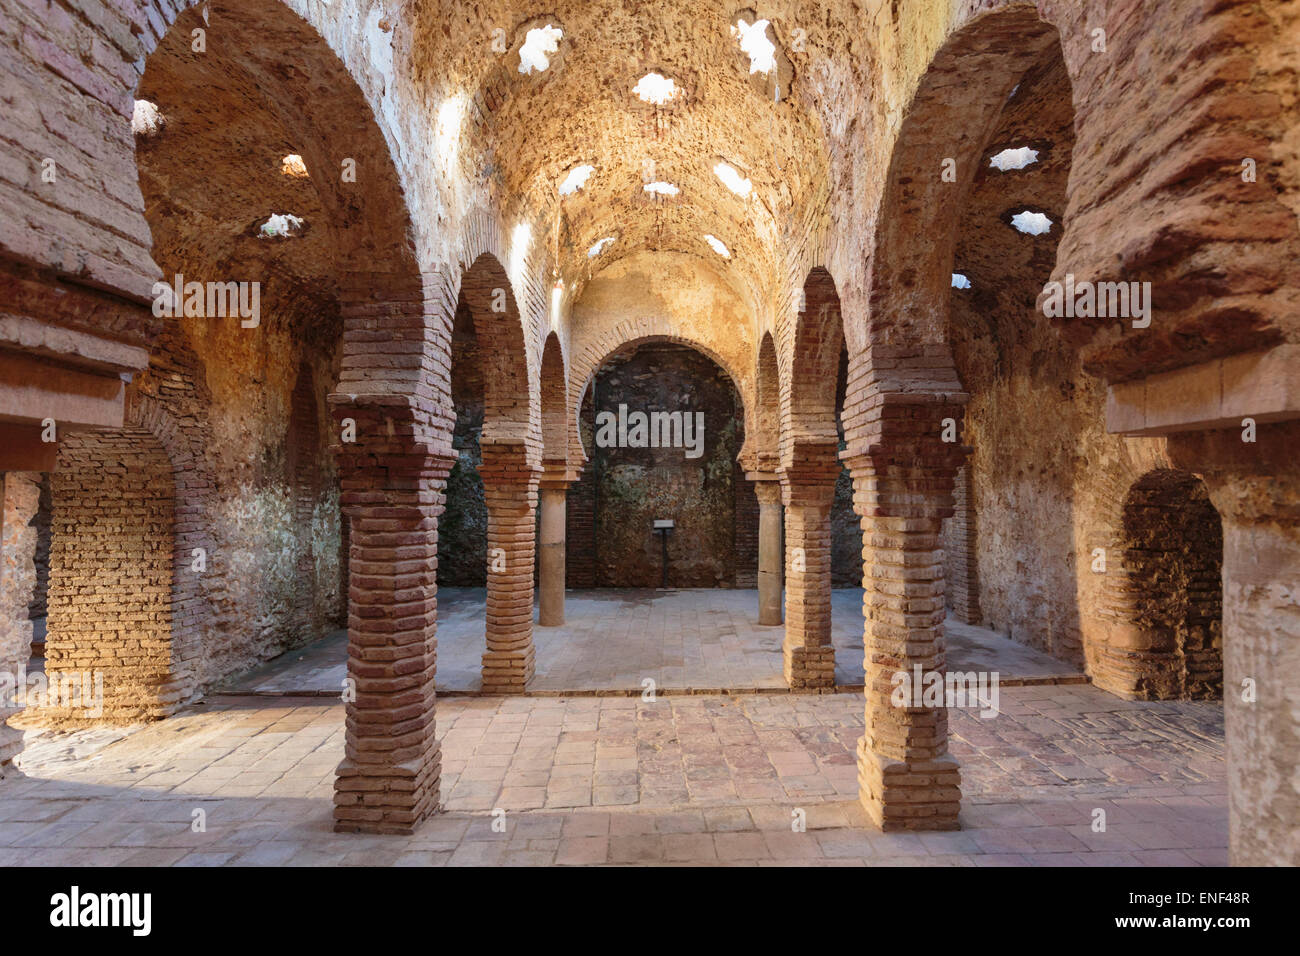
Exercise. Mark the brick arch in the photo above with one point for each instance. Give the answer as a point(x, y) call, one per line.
point(370, 260)
point(762, 446)
point(1161, 609)
point(630, 334)
point(554, 405)
point(952, 114)
point(510, 411)
point(293, 66)
point(808, 401)
point(392, 393)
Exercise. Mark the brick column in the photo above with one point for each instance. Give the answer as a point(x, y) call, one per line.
point(903, 476)
point(21, 494)
point(1255, 486)
point(388, 780)
point(808, 489)
point(1261, 651)
point(393, 396)
point(770, 583)
point(510, 489)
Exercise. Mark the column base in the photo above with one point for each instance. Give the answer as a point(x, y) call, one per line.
point(809, 666)
point(508, 672)
point(386, 798)
point(903, 795)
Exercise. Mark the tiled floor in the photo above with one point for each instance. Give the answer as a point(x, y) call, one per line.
point(615, 640)
point(681, 779)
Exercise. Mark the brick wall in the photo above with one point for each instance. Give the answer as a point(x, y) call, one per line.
point(581, 549)
point(1164, 602)
point(960, 557)
point(112, 597)
point(628, 488)
point(745, 546)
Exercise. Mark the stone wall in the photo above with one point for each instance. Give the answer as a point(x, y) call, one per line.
point(632, 487)
point(1165, 599)
point(846, 529)
point(19, 495)
point(462, 529)
point(41, 522)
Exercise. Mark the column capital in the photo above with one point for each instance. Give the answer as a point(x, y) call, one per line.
point(557, 474)
point(508, 463)
point(894, 424)
point(768, 490)
point(811, 463)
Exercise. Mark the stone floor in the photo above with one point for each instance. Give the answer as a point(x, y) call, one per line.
point(615, 640)
point(616, 779)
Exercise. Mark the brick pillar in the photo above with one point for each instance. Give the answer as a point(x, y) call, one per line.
point(392, 497)
point(550, 578)
point(770, 584)
point(394, 387)
point(903, 475)
point(510, 488)
point(21, 494)
point(808, 490)
point(1256, 489)
point(1261, 651)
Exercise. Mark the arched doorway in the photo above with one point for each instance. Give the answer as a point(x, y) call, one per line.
point(1165, 603)
point(664, 424)
point(488, 537)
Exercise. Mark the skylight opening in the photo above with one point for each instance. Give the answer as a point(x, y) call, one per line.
point(576, 179)
point(539, 44)
point(600, 247)
point(732, 179)
point(960, 281)
point(661, 188)
point(718, 246)
point(1010, 159)
point(146, 120)
point(281, 226)
point(755, 44)
point(1032, 223)
point(293, 166)
point(657, 89)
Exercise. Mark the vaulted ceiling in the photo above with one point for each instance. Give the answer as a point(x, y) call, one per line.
point(531, 129)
